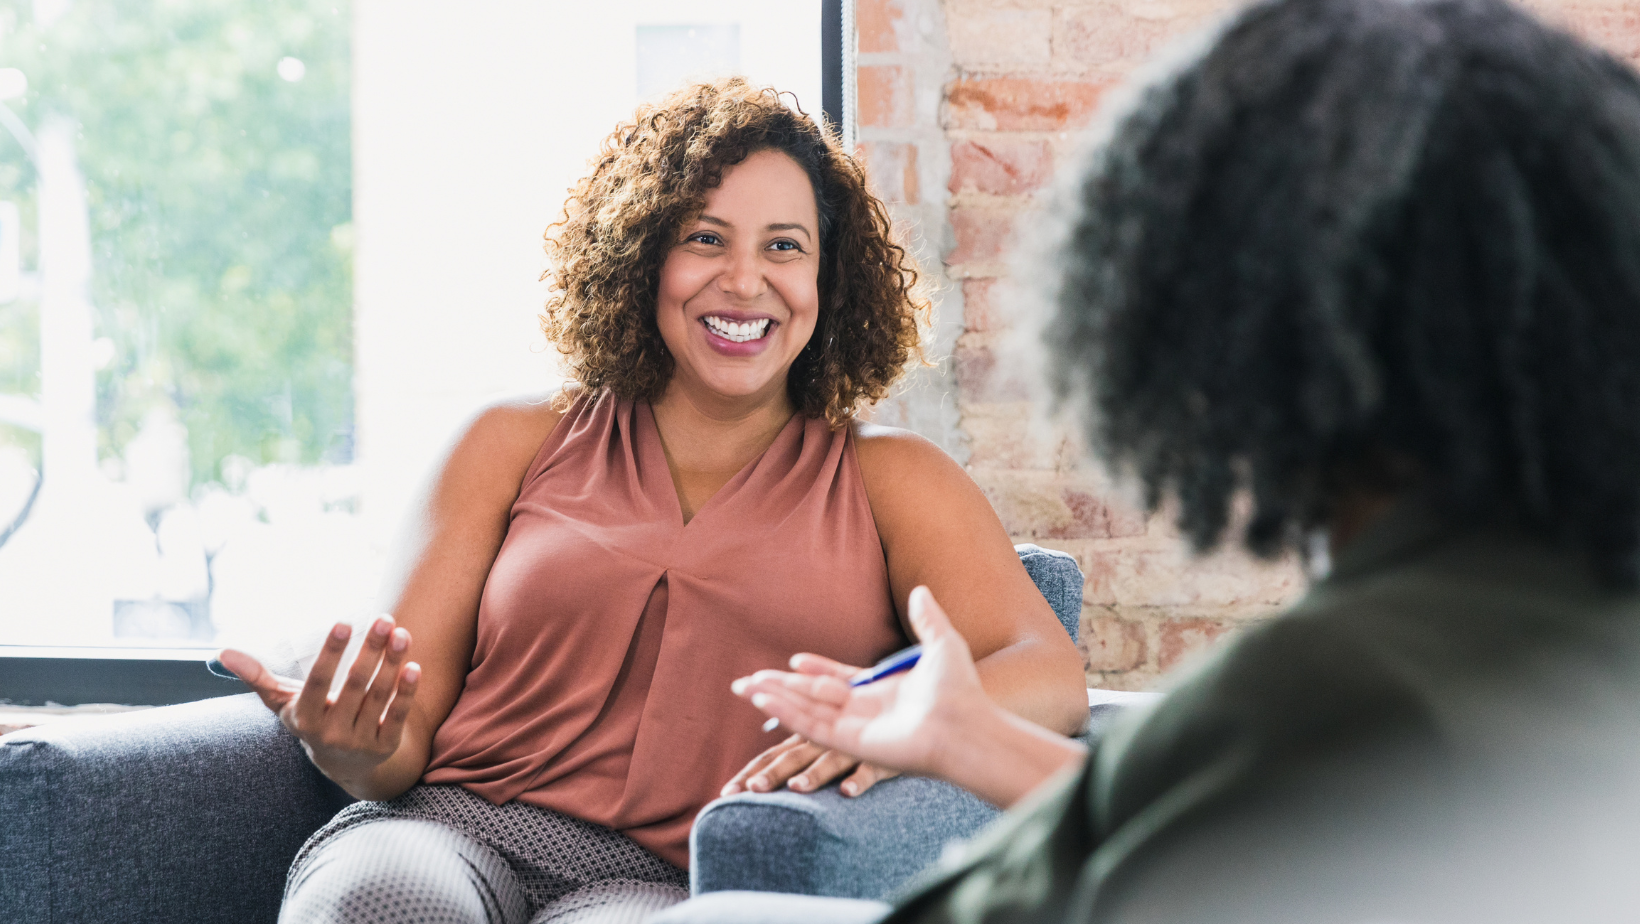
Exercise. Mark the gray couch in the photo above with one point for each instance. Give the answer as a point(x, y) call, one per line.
point(192, 813)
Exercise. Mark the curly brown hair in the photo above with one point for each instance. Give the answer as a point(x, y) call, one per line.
point(652, 175)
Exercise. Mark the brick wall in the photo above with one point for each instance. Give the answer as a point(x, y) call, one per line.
point(966, 110)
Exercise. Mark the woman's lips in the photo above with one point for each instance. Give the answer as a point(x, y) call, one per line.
point(729, 347)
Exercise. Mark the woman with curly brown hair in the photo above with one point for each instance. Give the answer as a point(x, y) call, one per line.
point(592, 569)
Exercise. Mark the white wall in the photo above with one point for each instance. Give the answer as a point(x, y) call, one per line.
point(470, 121)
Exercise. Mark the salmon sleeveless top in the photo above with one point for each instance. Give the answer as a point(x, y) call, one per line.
point(609, 630)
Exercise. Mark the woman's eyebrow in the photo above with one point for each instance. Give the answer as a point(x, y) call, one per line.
point(777, 226)
point(790, 226)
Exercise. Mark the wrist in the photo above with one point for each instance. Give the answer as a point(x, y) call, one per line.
point(1001, 757)
point(967, 742)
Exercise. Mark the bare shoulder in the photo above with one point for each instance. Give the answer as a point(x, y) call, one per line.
point(517, 422)
point(905, 473)
point(501, 439)
point(892, 453)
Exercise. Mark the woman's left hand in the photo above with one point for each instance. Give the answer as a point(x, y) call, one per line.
point(803, 766)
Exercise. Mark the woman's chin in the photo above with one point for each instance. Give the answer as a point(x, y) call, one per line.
point(739, 386)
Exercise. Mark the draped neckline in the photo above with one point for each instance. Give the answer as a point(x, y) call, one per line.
point(652, 452)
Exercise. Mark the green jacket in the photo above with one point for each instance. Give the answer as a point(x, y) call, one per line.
point(1445, 728)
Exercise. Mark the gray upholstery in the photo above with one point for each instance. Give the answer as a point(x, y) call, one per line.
point(193, 813)
point(1060, 580)
point(181, 814)
point(826, 844)
point(771, 908)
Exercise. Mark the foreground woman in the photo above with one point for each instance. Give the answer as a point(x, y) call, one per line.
point(1377, 264)
point(591, 571)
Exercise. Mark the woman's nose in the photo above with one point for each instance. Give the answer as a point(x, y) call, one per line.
point(742, 277)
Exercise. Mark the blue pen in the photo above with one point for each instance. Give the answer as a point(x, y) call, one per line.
point(893, 664)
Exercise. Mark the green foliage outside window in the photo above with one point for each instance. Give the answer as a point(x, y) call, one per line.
point(220, 199)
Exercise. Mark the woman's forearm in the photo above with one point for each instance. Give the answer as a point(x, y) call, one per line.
point(1001, 757)
point(1038, 683)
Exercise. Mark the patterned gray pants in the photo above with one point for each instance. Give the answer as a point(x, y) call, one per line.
point(442, 855)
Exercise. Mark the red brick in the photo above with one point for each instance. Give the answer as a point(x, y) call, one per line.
point(1125, 519)
point(1614, 28)
point(1110, 643)
point(1170, 576)
point(979, 313)
point(892, 167)
point(1039, 505)
point(979, 380)
point(1181, 638)
point(1000, 166)
point(1098, 572)
point(981, 35)
point(884, 94)
point(1095, 36)
point(1004, 437)
point(982, 234)
point(878, 24)
point(1021, 104)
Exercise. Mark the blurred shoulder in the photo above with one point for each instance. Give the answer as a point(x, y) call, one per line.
point(508, 432)
point(892, 452)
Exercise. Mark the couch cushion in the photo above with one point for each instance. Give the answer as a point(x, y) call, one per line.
point(186, 813)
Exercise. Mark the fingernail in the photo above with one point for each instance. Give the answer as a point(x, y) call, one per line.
point(760, 699)
point(412, 672)
point(739, 686)
point(380, 628)
point(799, 782)
point(850, 789)
point(757, 784)
point(340, 632)
point(727, 790)
point(401, 640)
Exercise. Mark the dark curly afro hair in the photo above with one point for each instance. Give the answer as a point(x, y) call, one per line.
point(651, 176)
point(1391, 244)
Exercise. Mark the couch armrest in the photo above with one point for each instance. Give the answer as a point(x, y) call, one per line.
point(187, 813)
point(1059, 579)
point(825, 844)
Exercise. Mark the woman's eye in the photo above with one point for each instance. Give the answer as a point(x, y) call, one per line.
point(706, 237)
point(785, 245)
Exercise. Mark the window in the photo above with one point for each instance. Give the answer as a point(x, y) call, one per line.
point(257, 262)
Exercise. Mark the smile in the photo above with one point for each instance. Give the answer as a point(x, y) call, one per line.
point(738, 331)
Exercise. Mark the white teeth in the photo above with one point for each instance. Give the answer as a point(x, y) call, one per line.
point(737, 331)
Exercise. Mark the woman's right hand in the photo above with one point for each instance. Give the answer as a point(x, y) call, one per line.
point(348, 737)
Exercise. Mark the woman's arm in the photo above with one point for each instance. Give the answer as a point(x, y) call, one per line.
point(440, 565)
point(938, 530)
point(933, 721)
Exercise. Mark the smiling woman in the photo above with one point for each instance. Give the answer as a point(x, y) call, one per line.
point(593, 568)
point(738, 298)
point(653, 175)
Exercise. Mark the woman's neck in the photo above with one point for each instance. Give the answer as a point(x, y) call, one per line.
point(717, 434)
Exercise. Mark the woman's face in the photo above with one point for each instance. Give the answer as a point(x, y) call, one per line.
point(739, 293)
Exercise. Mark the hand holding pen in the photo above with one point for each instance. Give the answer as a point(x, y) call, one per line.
point(894, 714)
point(903, 660)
